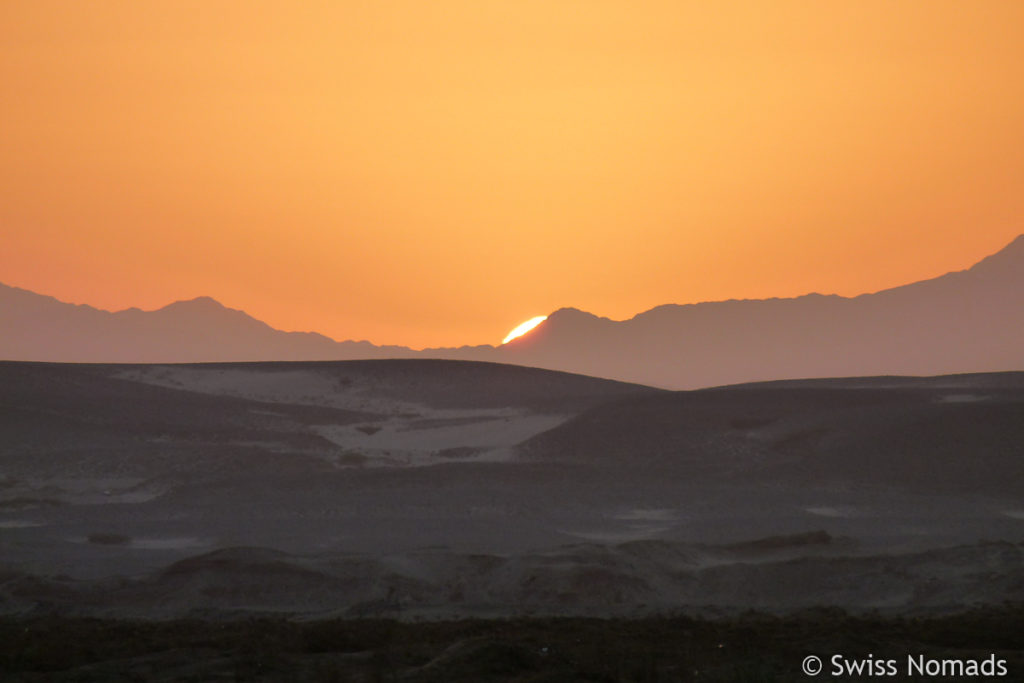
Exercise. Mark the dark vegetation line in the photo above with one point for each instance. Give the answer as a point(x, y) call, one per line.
point(754, 647)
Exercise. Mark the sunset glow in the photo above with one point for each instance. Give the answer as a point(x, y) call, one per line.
point(419, 173)
point(522, 329)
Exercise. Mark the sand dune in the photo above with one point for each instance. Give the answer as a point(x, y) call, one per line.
point(434, 488)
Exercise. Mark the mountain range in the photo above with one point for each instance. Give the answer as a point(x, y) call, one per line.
point(965, 321)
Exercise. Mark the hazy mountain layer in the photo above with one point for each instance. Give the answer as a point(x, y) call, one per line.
point(968, 321)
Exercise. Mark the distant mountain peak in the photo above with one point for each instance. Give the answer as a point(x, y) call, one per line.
point(204, 307)
point(1007, 261)
point(1015, 248)
point(572, 314)
point(199, 302)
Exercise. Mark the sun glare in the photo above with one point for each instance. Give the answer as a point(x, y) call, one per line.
point(524, 328)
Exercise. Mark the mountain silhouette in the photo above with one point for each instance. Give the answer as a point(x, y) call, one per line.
point(965, 321)
point(41, 328)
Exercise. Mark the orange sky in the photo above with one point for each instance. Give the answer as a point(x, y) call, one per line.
point(433, 173)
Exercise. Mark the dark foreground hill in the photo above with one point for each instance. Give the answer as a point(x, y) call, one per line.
point(952, 435)
point(436, 489)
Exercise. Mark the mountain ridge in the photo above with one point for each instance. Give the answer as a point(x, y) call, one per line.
point(961, 321)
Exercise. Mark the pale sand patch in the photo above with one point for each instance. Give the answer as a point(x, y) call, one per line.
point(288, 386)
point(1015, 514)
point(411, 442)
point(309, 387)
point(407, 434)
point(18, 524)
point(648, 514)
point(400, 435)
point(86, 490)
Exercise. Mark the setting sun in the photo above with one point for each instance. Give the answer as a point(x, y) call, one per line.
point(524, 328)
point(473, 159)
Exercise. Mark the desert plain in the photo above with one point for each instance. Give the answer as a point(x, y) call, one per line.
point(419, 489)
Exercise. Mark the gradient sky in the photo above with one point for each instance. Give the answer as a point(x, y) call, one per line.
point(433, 173)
